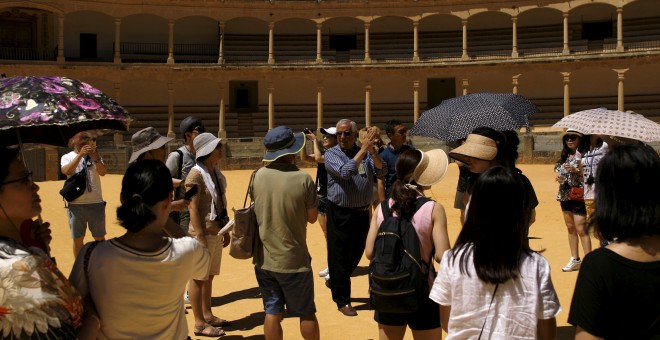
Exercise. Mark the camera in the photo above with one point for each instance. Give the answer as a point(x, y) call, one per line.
point(307, 131)
point(591, 180)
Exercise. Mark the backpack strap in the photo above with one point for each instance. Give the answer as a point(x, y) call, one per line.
point(179, 173)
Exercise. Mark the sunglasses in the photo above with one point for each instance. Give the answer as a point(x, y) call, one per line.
point(344, 133)
point(571, 137)
point(25, 180)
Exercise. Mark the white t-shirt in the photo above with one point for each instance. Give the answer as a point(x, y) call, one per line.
point(138, 295)
point(88, 197)
point(516, 309)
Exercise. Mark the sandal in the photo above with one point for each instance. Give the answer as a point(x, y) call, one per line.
point(208, 330)
point(217, 322)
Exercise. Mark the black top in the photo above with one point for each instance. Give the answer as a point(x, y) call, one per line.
point(617, 298)
point(321, 180)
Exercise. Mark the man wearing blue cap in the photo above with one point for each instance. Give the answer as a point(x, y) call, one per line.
point(284, 202)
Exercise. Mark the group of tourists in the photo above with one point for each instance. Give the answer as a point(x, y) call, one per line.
point(490, 283)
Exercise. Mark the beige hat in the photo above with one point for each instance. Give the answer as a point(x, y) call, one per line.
point(475, 146)
point(431, 168)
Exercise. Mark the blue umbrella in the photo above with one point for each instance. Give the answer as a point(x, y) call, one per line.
point(455, 118)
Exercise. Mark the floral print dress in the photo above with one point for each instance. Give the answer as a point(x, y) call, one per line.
point(573, 179)
point(36, 300)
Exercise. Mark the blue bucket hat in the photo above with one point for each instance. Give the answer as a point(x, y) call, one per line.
point(282, 141)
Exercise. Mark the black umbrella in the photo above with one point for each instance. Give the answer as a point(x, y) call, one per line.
point(51, 110)
point(455, 118)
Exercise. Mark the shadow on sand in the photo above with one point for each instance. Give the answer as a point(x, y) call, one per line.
point(250, 293)
point(565, 333)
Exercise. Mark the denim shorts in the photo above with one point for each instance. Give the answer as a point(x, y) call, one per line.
point(83, 215)
point(575, 207)
point(427, 317)
point(295, 290)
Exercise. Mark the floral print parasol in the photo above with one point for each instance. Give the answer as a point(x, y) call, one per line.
point(50, 110)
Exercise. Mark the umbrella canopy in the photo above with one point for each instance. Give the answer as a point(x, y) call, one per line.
point(602, 121)
point(455, 118)
point(50, 110)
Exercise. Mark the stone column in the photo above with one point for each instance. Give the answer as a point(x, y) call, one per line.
point(620, 77)
point(514, 82)
point(117, 137)
point(221, 44)
point(271, 107)
point(170, 47)
point(465, 54)
point(222, 133)
point(566, 50)
point(170, 110)
point(319, 106)
point(367, 58)
point(415, 100)
point(514, 49)
point(60, 39)
point(271, 59)
point(465, 86)
point(319, 58)
point(117, 56)
point(367, 105)
point(567, 94)
point(415, 41)
point(619, 29)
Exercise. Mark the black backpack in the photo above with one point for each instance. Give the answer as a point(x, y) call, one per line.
point(398, 277)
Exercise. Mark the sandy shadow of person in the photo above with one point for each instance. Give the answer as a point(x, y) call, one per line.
point(249, 293)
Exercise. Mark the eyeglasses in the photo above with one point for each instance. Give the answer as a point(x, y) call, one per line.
point(25, 180)
point(344, 133)
point(571, 137)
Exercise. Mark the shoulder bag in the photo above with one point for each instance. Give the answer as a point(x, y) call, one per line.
point(245, 232)
point(576, 194)
point(75, 185)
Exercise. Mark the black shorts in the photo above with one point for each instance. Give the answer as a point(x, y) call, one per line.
point(427, 317)
point(575, 207)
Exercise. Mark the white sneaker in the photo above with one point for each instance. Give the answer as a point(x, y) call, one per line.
point(186, 298)
point(325, 272)
point(572, 265)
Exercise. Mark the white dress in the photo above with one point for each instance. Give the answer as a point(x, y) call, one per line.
point(138, 295)
point(516, 309)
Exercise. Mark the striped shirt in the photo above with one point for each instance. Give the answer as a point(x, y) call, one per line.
point(346, 186)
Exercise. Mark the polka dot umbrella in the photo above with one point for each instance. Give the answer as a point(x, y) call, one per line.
point(601, 121)
point(455, 118)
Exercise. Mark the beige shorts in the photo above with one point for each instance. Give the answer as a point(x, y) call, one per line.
point(214, 243)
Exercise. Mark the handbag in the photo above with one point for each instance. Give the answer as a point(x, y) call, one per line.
point(75, 185)
point(245, 233)
point(576, 194)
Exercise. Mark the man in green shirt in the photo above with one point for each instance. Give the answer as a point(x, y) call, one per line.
point(284, 202)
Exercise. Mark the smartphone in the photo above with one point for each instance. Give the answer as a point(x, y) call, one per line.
point(190, 193)
point(307, 131)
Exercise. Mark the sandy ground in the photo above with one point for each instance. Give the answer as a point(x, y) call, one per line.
point(235, 293)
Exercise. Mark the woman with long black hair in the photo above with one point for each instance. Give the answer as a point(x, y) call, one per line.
point(491, 282)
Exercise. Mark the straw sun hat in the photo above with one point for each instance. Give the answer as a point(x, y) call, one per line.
point(475, 146)
point(431, 168)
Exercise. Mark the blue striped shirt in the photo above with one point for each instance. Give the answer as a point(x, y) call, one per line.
point(346, 186)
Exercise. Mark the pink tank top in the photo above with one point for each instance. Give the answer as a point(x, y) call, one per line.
point(423, 223)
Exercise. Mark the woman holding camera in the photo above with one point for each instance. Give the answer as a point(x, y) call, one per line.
point(208, 214)
point(570, 180)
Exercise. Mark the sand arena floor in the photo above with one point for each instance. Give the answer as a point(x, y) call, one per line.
point(235, 293)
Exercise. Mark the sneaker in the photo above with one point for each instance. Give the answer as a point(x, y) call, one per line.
point(325, 272)
point(572, 265)
point(186, 298)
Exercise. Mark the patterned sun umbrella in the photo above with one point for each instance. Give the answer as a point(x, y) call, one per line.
point(455, 118)
point(602, 121)
point(50, 110)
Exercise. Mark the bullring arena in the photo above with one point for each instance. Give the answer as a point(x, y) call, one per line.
point(246, 66)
